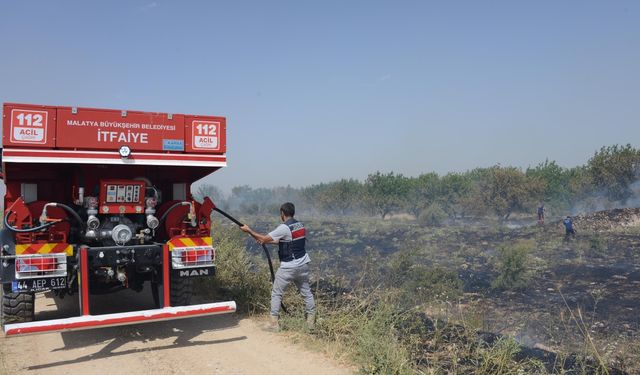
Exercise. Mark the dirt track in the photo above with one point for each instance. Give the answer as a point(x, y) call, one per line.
point(222, 344)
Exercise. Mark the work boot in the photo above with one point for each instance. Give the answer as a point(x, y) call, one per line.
point(311, 321)
point(272, 325)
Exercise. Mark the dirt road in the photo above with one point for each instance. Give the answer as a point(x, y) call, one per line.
point(222, 344)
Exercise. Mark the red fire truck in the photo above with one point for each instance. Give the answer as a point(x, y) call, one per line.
point(97, 201)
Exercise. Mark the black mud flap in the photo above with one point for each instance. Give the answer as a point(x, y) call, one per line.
point(7, 265)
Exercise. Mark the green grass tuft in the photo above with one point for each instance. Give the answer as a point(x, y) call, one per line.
point(512, 265)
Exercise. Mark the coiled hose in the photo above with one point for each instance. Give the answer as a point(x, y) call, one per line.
point(43, 226)
point(72, 212)
point(166, 213)
point(26, 230)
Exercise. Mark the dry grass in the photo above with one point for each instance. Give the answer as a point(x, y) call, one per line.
point(378, 323)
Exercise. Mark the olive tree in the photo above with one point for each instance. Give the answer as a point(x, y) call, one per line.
point(385, 193)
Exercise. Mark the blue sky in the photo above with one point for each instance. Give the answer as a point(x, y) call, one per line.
point(317, 91)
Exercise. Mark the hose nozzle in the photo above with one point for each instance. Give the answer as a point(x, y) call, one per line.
point(43, 216)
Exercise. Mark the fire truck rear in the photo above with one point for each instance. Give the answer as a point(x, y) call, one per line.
point(98, 201)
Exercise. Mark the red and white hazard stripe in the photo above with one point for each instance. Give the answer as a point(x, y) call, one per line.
point(111, 157)
point(107, 320)
point(298, 234)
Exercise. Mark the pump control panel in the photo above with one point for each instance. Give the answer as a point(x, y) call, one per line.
point(121, 197)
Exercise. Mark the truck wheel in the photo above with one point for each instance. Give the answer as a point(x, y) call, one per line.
point(181, 291)
point(18, 307)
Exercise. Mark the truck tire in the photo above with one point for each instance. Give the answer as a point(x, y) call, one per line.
point(18, 307)
point(181, 291)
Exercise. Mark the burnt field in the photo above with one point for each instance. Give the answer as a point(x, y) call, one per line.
point(572, 294)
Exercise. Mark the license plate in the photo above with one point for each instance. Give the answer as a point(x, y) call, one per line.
point(39, 285)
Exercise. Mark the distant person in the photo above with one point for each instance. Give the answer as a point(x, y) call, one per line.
point(294, 263)
point(541, 213)
point(568, 226)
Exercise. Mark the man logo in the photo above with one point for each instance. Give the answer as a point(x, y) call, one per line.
point(189, 273)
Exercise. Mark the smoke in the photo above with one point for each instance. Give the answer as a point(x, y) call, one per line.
point(634, 201)
point(600, 201)
point(248, 200)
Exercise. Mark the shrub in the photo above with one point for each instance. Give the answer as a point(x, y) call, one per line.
point(432, 216)
point(426, 284)
point(378, 349)
point(512, 265)
point(597, 246)
point(417, 284)
point(365, 326)
point(239, 276)
point(500, 359)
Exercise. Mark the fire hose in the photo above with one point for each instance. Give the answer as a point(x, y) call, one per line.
point(26, 230)
point(176, 205)
point(42, 226)
point(77, 217)
point(264, 247)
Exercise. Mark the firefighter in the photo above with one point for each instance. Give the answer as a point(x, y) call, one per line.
point(294, 263)
point(541, 213)
point(570, 231)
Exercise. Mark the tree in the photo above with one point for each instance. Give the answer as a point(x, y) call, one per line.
point(342, 197)
point(314, 197)
point(474, 200)
point(453, 188)
point(252, 201)
point(213, 192)
point(613, 169)
point(507, 189)
point(386, 193)
point(432, 215)
point(345, 194)
point(580, 184)
point(423, 192)
point(556, 179)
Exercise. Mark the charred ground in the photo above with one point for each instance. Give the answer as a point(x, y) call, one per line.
point(580, 295)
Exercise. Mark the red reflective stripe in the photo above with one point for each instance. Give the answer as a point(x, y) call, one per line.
point(116, 321)
point(177, 242)
point(32, 249)
point(36, 248)
point(60, 248)
point(198, 241)
point(180, 242)
point(298, 233)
